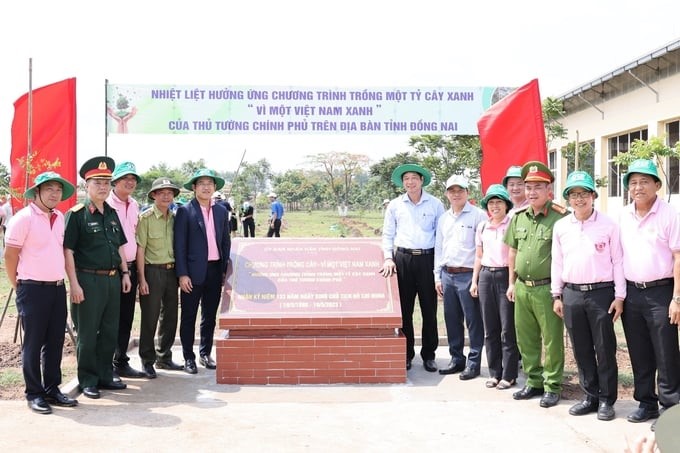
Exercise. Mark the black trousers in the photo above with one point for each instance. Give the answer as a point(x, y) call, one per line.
point(275, 229)
point(415, 277)
point(208, 296)
point(498, 313)
point(249, 227)
point(43, 318)
point(653, 346)
point(591, 330)
point(127, 316)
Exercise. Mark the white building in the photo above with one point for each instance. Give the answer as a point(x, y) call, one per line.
point(639, 100)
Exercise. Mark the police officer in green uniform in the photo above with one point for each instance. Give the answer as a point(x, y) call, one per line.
point(93, 250)
point(529, 237)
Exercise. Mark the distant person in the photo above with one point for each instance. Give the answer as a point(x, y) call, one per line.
point(124, 181)
point(202, 245)
point(34, 261)
point(94, 252)
point(650, 237)
point(454, 258)
point(157, 280)
point(408, 241)
point(514, 184)
point(588, 289)
point(490, 284)
point(276, 216)
point(529, 237)
point(248, 220)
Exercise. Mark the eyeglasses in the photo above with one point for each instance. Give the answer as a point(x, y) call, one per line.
point(579, 195)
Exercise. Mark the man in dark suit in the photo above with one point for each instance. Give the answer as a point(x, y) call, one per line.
point(202, 245)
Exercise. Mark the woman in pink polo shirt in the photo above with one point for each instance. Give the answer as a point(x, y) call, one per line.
point(490, 284)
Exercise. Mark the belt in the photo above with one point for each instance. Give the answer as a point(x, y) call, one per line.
point(533, 283)
point(109, 272)
point(653, 283)
point(40, 283)
point(162, 266)
point(415, 251)
point(494, 269)
point(457, 270)
point(589, 286)
point(131, 264)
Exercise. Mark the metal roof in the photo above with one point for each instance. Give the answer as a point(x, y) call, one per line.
point(644, 71)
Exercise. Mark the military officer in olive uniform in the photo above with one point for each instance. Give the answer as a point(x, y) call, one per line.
point(93, 251)
point(529, 237)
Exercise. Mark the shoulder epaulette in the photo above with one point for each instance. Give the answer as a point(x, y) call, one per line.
point(146, 213)
point(522, 209)
point(558, 208)
point(77, 207)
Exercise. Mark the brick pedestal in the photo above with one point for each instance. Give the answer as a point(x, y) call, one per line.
point(307, 311)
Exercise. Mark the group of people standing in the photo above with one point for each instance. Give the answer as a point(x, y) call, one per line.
point(247, 216)
point(109, 251)
point(516, 271)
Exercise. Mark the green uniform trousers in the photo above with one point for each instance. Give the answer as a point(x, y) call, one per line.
point(159, 308)
point(537, 325)
point(96, 321)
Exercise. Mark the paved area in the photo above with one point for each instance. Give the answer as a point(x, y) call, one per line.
point(178, 411)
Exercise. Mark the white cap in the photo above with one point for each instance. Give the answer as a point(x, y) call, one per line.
point(271, 195)
point(217, 195)
point(386, 201)
point(457, 180)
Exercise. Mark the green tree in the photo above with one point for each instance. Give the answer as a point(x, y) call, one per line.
point(340, 169)
point(586, 157)
point(655, 149)
point(160, 170)
point(553, 109)
point(4, 178)
point(251, 180)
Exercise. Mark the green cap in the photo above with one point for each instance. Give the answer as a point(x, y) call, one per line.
point(497, 191)
point(42, 178)
point(162, 183)
point(579, 179)
point(513, 172)
point(124, 169)
point(207, 173)
point(398, 174)
point(644, 166)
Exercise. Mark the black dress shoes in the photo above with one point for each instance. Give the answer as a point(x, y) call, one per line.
point(583, 408)
point(208, 362)
point(527, 393)
point(469, 373)
point(59, 399)
point(452, 368)
point(149, 371)
point(113, 385)
point(605, 412)
point(190, 366)
point(91, 392)
point(169, 365)
point(430, 365)
point(408, 364)
point(39, 406)
point(128, 372)
point(549, 399)
point(642, 414)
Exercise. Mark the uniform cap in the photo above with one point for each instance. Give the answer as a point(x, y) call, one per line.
point(98, 167)
point(162, 183)
point(535, 171)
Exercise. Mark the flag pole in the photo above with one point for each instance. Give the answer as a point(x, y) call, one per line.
point(106, 118)
point(231, 189)
point(29, 129)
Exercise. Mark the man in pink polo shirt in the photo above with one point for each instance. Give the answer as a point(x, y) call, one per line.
point(650, 237)
point(588, 289)
point(34, 260)
point(124, 180)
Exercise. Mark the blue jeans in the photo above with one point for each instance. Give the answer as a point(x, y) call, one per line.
point(459, 306)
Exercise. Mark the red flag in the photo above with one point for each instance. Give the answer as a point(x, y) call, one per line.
point(511, 132)
point(53, 141)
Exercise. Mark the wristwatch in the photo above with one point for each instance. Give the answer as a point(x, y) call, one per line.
point(554, 298)
point(676, 299)
point(124, 272)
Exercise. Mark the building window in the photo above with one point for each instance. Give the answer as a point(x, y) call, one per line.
point(617, 145)
point(672, 138)
point(552, 161)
